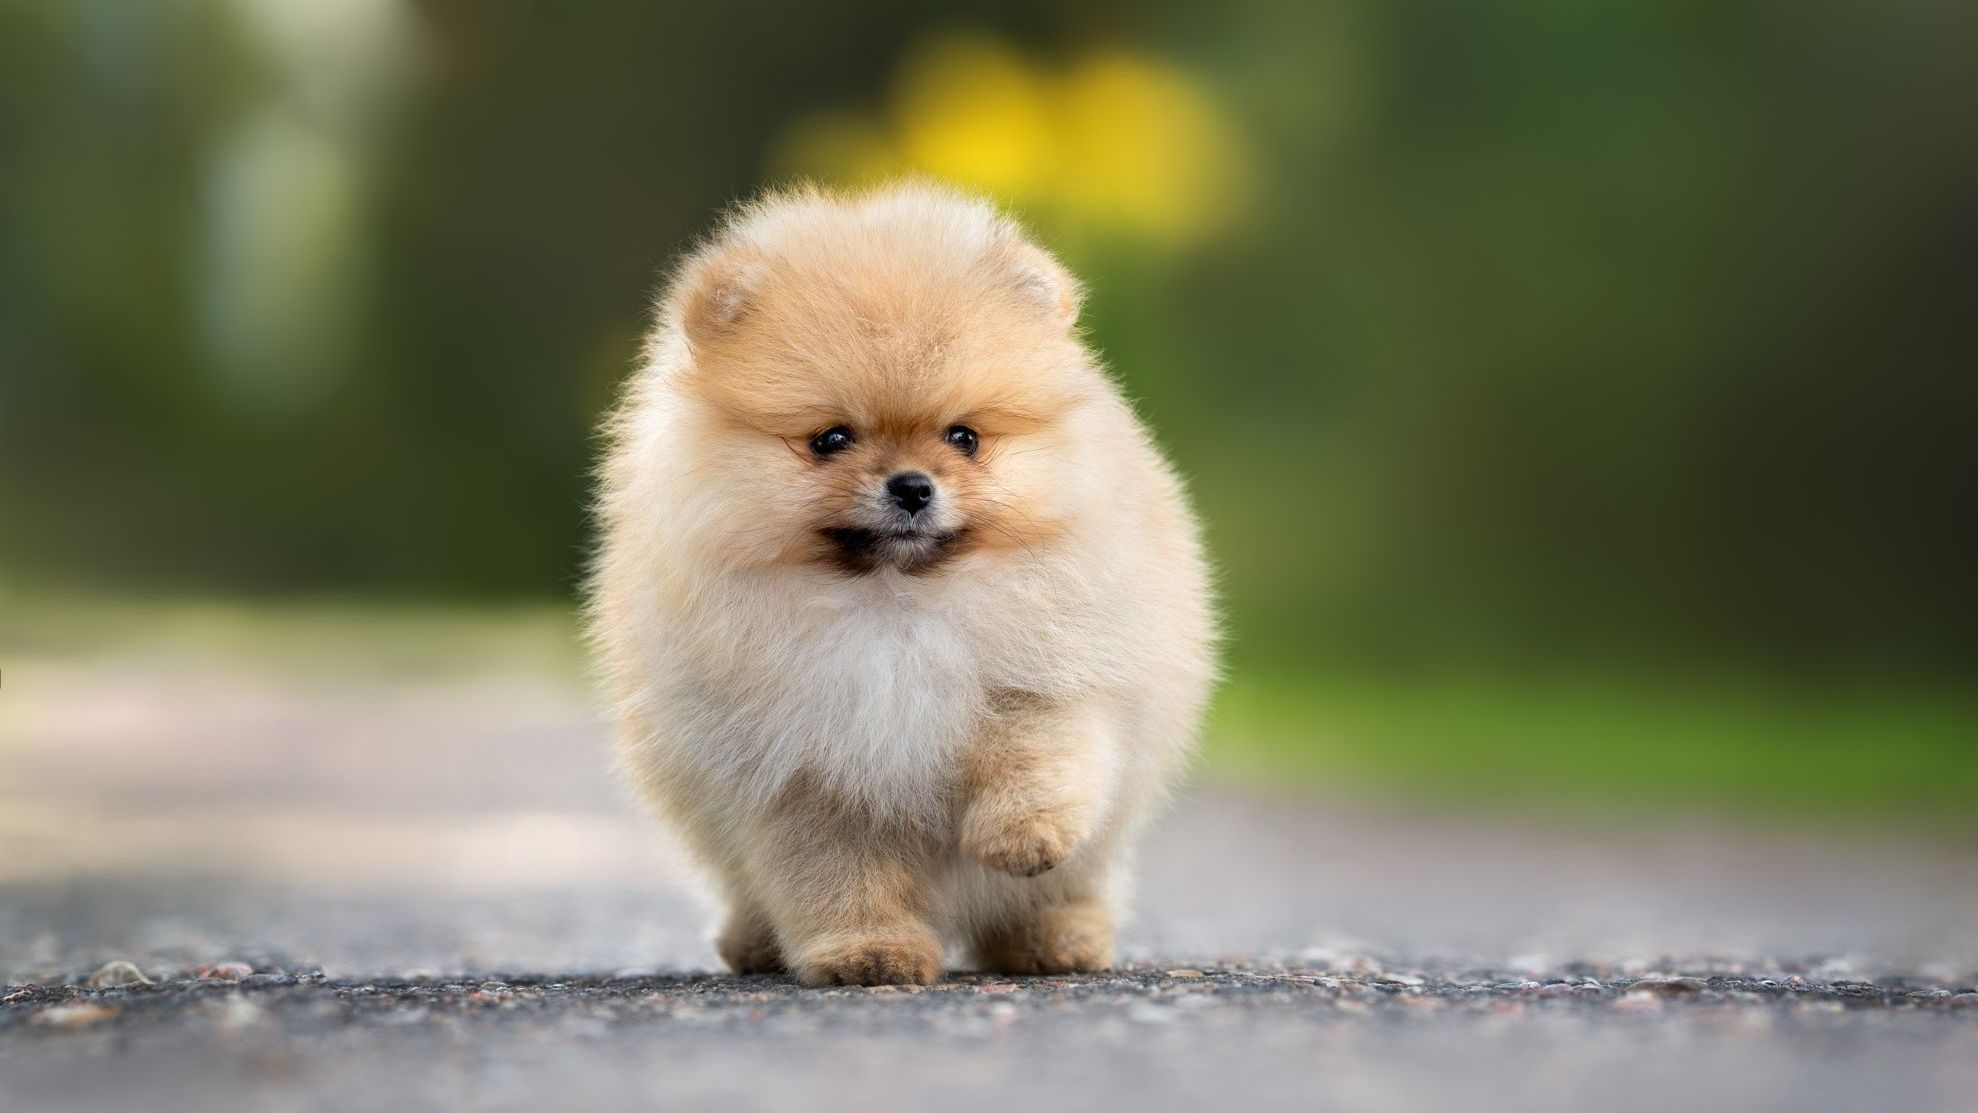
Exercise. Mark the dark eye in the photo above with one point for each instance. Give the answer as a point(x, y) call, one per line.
point(833, 440)
point(963, 438)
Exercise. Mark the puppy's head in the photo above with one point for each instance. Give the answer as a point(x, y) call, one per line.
point(882, 382)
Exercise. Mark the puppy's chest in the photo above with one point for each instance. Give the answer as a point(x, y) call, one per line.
point(884, 669)
point(873, 700)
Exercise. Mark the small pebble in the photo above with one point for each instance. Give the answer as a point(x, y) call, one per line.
point(236, 1014)
point(116, 973)
point(224, 971)
point(1184, 973)
point(81, 1014)
point(1668, 987)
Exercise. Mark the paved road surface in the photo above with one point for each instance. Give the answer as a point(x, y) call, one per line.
point(427, 892)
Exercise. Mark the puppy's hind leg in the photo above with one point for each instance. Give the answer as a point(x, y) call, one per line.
point(1056, 935)
point(747, 942)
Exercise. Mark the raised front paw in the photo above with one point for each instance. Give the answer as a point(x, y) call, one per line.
point(1023, 843)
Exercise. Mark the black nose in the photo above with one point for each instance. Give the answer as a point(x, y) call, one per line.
point(911, 489)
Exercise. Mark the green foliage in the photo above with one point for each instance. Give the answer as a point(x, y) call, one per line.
point(1540, 331)
point(1580, 744)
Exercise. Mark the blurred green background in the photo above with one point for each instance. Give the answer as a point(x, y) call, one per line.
point(1580, 397)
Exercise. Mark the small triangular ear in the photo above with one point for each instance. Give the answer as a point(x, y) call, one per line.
point(1039, 276)
point(712, 294)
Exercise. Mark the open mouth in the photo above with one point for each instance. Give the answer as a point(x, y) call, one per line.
point(908, 549)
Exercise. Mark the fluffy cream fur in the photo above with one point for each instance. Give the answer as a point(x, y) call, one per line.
point(884, 734)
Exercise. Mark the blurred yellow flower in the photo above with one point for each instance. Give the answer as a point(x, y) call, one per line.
point(1118, 141)
point(1143, 145)
point(970, 109)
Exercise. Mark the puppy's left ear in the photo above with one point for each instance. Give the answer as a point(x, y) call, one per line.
point(1037, 275)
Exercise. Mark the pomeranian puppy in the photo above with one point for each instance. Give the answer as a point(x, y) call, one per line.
point(905, 618)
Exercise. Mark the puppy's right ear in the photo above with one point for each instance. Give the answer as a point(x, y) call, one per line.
point(713, 294)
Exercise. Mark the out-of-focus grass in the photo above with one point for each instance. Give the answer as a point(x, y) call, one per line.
point(1838, 756)
point(296, 639)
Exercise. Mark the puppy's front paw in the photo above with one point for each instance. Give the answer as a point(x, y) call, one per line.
point(1025, 844)
point(873, 962)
